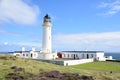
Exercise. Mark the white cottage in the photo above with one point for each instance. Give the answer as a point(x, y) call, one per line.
point(32, 54)
point(96, 55)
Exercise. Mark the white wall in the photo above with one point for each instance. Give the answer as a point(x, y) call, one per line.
point(78, 55)
point(109, 58)
point(71, 55)
point(49, 56)
point(100, 56)
point(75, 62)
point(30, 54)
point(33, 54)
point(26, 55)
point(16, 54)
point(96, 55)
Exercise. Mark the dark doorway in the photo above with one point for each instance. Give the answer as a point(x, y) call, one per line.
point(31, 55)
point(74, 56)
point(87, 56)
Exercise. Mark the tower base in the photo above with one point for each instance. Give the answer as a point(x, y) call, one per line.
point(47, 56)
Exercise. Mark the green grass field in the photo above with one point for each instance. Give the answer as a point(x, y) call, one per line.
point(99, 70)
point(101, 66)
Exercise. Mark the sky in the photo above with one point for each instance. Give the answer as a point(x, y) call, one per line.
point(76, 24)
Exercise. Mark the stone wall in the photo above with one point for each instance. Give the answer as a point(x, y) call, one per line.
point(67, 62)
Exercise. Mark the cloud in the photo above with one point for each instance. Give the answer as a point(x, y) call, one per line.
point(9, 33)
point(18, 11)
point(89, 40)
point(16, 46)
point(14, 41)
point(30, 44)
point(103, 5)
point(5, 43)
point(112, 7)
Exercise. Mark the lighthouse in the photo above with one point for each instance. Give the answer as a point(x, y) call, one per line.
point(46, 42)
point(46, 51)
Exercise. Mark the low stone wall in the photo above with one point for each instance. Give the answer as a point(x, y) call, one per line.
point(67, 62)
point(52, 61)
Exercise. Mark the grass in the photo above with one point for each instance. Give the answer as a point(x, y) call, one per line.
point(99, 70)
point(101, 66)
point(30, 66)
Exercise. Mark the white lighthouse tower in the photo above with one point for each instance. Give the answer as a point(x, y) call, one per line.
point(46, 52)
point(46, 42)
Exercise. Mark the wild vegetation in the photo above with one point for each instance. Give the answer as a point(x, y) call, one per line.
point(12, 67)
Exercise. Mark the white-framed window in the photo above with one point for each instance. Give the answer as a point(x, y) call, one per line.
point(72, 55)
point(83, 55)
point(17, 55)
point(76, 55)
point(26, 54)
point(23, 54)
point(68, 55)
point(64, 55)
point(91, 55)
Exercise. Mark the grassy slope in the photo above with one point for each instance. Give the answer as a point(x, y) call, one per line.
point(31, 66)
point(37, 67)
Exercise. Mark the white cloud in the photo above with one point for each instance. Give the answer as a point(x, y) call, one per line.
point(5, 43)
point(9, 33)
point(112, 7)
point(103, 5)
point(18, 11)
point(30, 44)
point(89, 40)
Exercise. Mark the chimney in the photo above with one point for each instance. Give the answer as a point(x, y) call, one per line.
point(23, 48)
point(33, 48)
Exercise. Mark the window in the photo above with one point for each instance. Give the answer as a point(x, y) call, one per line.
point(26, 54)
point(17, 55)
point(68, 55)
point(91, 55)
point(83, 55)
point(64, 55)
point(71, 55)
point(23, 54)
point(76, 55)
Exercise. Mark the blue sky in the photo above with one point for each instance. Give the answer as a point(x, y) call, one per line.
point(76, 24)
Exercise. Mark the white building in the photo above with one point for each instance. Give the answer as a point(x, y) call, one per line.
point(32, 54)
point(96, 55)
